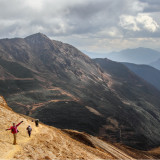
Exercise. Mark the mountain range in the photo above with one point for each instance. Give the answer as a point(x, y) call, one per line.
point(137, 55)
point(148, 73)
point(156, 64)
point(63, 87)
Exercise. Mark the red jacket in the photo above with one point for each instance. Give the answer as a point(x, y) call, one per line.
point(14, 128)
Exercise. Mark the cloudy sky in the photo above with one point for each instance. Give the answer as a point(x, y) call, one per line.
point(93, 26)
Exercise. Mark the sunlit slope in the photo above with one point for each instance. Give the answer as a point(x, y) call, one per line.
point(45, 142)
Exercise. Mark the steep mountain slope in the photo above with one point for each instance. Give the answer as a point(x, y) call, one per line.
point(137, 55)
point(138, 94)
point(45, 142)
point(61, 86)
point(52, 74)
point(146, 72)
point(51, 143)
point(156, 64)
point(43, 63)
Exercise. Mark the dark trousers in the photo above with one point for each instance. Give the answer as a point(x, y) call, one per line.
point(36, 124)
point(29, 133)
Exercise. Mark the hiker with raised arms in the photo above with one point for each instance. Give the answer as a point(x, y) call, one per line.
point(14, 131)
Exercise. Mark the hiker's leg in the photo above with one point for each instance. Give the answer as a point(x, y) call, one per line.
point(14, 136)
point(29, 133)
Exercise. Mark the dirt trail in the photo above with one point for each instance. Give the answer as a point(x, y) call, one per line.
point(51, 142)
point(7, 117)
point(48, 142)
point(118, 154)
point(17, 148)
point(45, 142)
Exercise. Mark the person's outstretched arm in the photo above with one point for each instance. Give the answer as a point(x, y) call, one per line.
point(19, 123)
point(8, 129)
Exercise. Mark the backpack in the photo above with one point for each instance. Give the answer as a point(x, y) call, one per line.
point(29, 129)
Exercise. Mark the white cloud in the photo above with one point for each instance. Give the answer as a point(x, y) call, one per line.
point(147, 22)
point(129, 22)
point(139, 22)
point(35, 4)
point(112, 32)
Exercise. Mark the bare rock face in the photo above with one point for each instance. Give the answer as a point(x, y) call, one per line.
point(63, 87)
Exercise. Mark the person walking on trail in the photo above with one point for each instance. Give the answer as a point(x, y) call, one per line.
point(29, 129)
point(14, 131)
point(37, 122)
